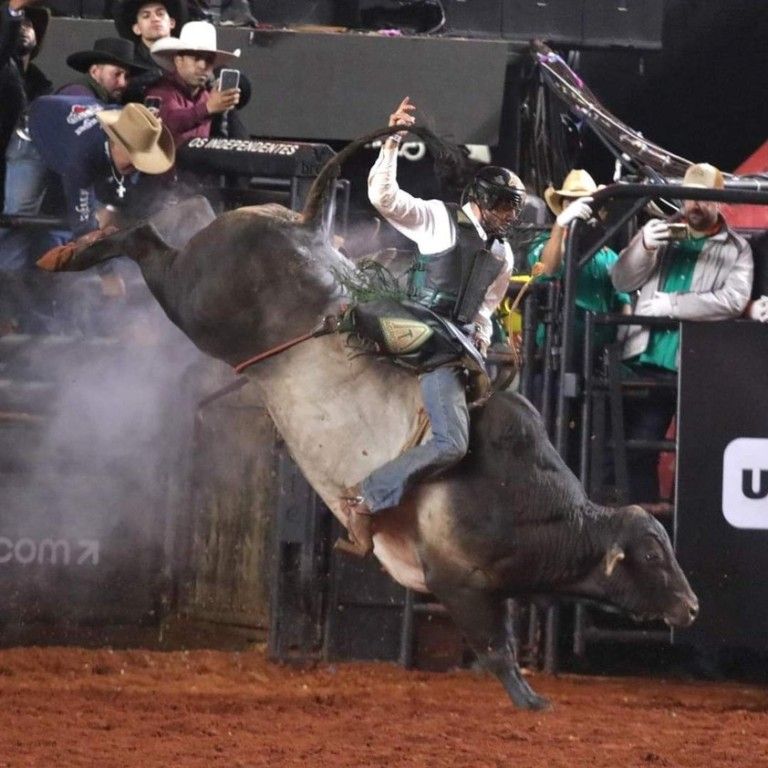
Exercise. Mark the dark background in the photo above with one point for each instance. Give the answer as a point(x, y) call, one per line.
point(704, 94)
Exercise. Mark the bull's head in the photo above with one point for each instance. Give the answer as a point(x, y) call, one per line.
point(640, 574)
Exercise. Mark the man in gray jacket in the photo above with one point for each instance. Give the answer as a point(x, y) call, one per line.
point(705, 275)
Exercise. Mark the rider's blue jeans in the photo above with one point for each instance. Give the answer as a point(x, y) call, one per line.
point(445, 402)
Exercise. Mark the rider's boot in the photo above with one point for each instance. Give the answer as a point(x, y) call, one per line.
point(359, 524)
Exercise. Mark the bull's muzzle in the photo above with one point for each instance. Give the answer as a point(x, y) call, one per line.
point(685, 611)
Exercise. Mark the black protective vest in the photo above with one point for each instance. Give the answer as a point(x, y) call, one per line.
point(454, 282)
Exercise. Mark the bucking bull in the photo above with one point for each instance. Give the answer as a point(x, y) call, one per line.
point(511, 519)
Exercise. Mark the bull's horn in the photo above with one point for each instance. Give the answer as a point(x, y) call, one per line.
point(612, 556)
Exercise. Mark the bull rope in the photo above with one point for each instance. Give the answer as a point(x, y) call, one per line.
point(327, 325)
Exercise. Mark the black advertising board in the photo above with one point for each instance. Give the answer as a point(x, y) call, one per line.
point(722, 483)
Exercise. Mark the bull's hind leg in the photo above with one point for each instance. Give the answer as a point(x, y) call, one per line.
point(483, 619)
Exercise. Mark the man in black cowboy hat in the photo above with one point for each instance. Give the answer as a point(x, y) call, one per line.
point(107, 67)
point(144, 22)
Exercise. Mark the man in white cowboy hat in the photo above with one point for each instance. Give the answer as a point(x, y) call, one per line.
point(107, 68)
point(706, 275)
point(187, 106)
point(594, 290)
point(97, 151)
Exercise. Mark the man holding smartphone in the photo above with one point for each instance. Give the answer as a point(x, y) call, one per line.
point(188, 103)
point(700, 271)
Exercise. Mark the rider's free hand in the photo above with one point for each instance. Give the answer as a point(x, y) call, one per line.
point(401, 116)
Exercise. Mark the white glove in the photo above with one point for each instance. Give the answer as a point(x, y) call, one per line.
point(660, 305)
point(655, 234)
point(758, 310)
point(578, 209)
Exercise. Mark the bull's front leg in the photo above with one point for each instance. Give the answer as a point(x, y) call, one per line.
point(483, 619)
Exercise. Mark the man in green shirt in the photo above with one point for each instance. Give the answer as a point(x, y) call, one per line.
point(705, 276)
point(594, 290)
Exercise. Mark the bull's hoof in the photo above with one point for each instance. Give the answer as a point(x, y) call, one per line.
point(536, 703)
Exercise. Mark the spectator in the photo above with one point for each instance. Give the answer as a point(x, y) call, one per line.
point(96, 152)
point(594, 289)
point(187, 105)
point(107, 69)
point(144, 22)
point(25, 176)
point(706, 276)
point(22, 30)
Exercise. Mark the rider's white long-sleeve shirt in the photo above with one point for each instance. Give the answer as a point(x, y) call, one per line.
point(429, 224)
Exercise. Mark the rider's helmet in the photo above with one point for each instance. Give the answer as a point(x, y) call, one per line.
point(500, 196)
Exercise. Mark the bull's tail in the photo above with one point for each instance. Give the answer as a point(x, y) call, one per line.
point(447, 156)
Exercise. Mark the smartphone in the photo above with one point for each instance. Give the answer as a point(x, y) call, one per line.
point(228, 79)
point(153, 104)
point(678, 231)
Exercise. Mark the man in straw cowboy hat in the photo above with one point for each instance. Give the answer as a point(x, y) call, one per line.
point(594, 290)
point(143, 23)
point(706, 275)
point(107, 69)
point(187, 105)
point(96, 152)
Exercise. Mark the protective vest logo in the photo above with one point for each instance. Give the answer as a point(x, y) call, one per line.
point(745, 483)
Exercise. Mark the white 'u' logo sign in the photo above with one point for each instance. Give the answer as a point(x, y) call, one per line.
point(745, 483)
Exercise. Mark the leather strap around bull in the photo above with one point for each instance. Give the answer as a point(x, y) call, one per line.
point(327, 325)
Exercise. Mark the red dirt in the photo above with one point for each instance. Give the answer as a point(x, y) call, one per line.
point(68, 708)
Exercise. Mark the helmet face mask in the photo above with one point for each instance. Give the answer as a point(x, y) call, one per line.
point(500, 196)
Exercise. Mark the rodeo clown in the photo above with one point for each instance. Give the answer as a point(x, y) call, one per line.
point(461, 274)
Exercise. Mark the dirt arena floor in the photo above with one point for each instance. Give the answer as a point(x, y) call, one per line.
point(68, 708)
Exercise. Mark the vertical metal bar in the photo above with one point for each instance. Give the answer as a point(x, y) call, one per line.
point(553, 297)
point(616, 400)
point(579, 634)
point(533, 634)
point(530, 318)
point(586, 403)
point(406, 631)
point(565, 390)
point(551, 655)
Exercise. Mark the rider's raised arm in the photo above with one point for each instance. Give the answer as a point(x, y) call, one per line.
point(426, 222)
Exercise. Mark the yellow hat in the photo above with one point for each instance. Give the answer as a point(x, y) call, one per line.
point(578, 183)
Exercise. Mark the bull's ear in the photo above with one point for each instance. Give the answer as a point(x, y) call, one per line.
point(612, 557)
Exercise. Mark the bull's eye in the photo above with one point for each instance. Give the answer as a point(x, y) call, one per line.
point(652, 557)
